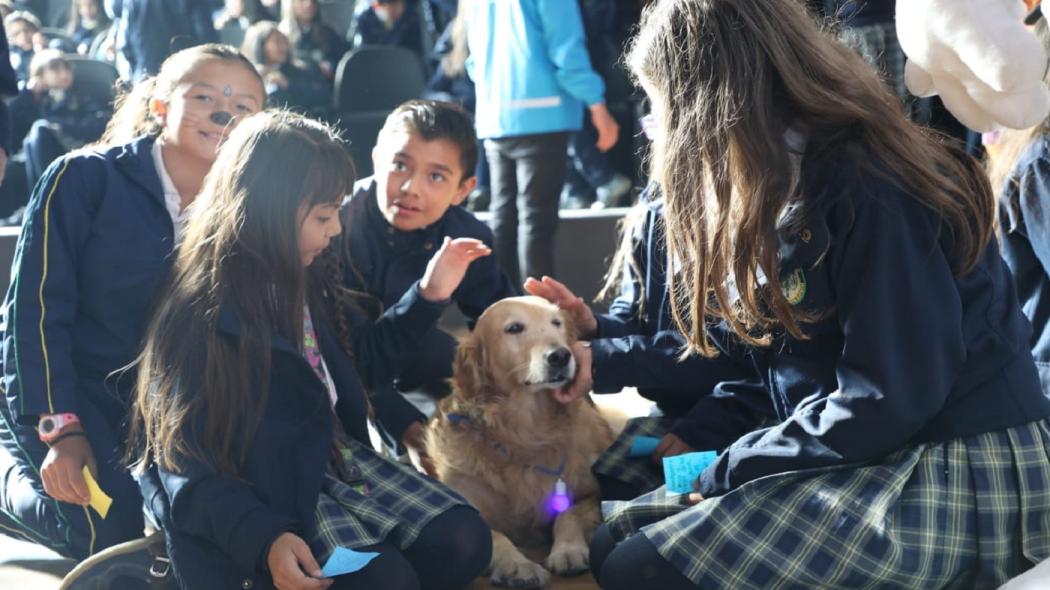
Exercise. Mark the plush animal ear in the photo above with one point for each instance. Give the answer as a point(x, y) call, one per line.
point(468, 375)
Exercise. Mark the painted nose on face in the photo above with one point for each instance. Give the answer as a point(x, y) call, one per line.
point(558, 358)
point(221, 118)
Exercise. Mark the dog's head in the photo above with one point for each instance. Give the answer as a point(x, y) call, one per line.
point(518, 344)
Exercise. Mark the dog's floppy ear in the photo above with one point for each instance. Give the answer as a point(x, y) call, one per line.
point(468, 374)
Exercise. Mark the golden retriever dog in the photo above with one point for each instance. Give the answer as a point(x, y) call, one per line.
point(504, 442)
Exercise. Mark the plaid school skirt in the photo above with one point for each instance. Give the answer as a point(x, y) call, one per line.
point(383, 501)
point(967, 513)
point(641, 473)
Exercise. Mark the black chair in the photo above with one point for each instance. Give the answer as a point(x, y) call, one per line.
point(94, 78)
point(369, 83)
point(377, 77)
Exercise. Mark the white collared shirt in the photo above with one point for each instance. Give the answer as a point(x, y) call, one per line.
point(172, 199)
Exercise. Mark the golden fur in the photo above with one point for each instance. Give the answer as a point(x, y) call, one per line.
point(506, 431)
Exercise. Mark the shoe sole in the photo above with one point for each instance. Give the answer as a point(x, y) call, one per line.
point(88, 564)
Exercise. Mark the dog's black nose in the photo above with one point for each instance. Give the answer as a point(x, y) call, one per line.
point(559, 358)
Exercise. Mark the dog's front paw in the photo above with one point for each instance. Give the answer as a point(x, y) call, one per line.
point(568, 559)
point(520, 574)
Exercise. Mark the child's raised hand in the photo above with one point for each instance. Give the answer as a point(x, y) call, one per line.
point(446, 269)
point(293, 566)
point(560, 295)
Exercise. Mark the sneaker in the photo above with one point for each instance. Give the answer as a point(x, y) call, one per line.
point(141, 564)
point(616, 192)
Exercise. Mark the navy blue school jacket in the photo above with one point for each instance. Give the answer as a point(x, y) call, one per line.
point(95, 246)
point(906, 353)
point(388, 262)
point(1024, 221)
point(638, 346)
point(219, 528)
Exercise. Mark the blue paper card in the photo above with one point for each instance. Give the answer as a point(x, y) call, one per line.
point(643, 445)
point(346, 561)
point(681, 471)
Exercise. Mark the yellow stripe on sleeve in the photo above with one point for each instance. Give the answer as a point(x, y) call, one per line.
point(43, 278)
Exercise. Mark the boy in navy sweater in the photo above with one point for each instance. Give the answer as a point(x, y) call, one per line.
point(424, 163)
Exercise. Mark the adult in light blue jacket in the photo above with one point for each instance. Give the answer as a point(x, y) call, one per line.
point(529, 61)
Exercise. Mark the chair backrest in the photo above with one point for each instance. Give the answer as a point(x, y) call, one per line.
point(94, 78)
point(362, 129)
point(377, 78)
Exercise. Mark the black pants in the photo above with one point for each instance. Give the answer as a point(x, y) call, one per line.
point(632, 563)
point(27, 512)
point(527, 176)
point(450, 552)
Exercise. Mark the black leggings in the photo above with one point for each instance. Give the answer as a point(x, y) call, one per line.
point(632, 563)
point(449, 553)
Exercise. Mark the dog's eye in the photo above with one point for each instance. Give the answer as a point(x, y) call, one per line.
point(556, 323)
point(514, 328)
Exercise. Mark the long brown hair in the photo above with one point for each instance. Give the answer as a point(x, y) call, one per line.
point(133, 118)
point(729, 79)
point(201, 394)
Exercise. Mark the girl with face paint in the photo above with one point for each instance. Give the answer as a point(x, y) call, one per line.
point(96, 246)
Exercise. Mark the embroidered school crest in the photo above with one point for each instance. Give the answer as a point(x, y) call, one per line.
point(795, 287)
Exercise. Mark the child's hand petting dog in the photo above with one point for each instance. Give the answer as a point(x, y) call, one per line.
point(293, 566)
point(446, 269)
point(560, 295)
point(413, 439)
point(582, 383)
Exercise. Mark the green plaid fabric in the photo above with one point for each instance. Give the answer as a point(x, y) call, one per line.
point(387, 501)
point(642, 473)
point(968, 513)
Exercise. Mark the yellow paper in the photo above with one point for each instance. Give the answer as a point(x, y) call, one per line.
point(99, 500)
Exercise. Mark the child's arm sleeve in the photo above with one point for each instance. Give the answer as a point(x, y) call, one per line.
point(567, 49)
point(653, 362)
point(380, 346)
point(900, 315)
point(733, 409)
point(394, 413)
point(42, 301)
point(1034, 201)
point(225, 511)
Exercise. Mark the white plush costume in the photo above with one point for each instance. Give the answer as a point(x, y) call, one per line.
point(978, 56)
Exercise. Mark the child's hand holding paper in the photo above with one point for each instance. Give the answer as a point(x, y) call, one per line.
point(681, 471)
point(99, 500)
